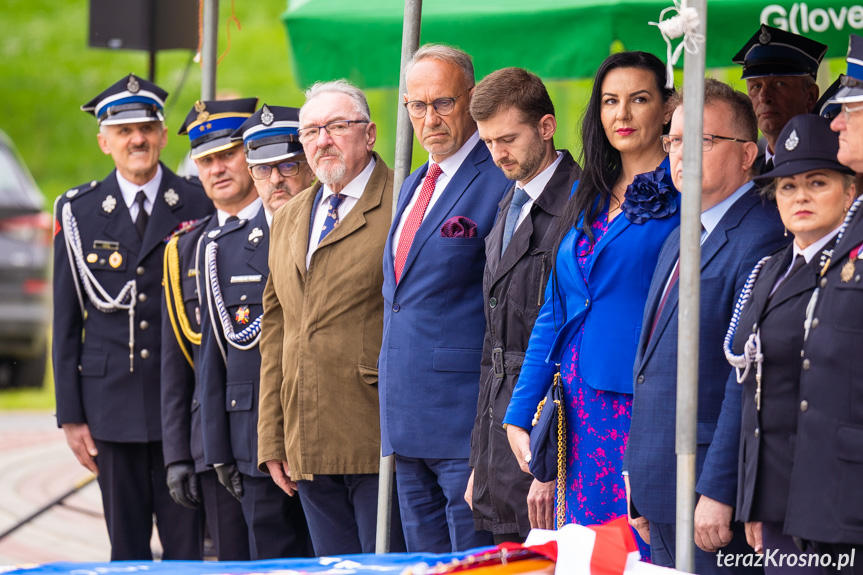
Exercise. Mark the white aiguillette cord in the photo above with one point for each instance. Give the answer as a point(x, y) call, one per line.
point(685, 24)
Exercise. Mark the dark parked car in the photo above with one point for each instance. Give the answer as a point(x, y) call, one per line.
point(25, 261)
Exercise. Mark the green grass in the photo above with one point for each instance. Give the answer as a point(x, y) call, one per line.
point(29, 399)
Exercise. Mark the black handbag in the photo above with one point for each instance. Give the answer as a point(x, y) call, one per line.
point(548, 443)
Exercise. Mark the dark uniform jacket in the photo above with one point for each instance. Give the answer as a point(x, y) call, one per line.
point(513, 288)
point(767, 435)
point(182, 439)
point(825, 503)
point(91, 353)
point(230, 393)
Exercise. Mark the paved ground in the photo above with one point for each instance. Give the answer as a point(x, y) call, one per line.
point(36, 467)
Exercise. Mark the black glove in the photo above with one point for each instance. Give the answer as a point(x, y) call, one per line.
point(183, 484)
point(229, 476)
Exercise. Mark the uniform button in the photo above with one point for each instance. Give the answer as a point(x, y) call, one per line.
point(145, 353)
point(396, 307)
point(757, 432)
point(233, 403)
point(101, 261)
point(492, 303)
point(804, 405)
point(857, 278)
point(806, 364)
point(823, 282)
point(80, 369)
point(243, 297)
point(144, 324)
point(490, 411)
point(142, 297)
point(639, 379)
point(194, 402)
point(140, 270)
point(814, 323)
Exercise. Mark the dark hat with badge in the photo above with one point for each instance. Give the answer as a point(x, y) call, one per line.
point(775, 52)
point(825, 106)
point(806, 143)
point(130, 100)
point(270, 135)
point(210, 124)
point(852, 84)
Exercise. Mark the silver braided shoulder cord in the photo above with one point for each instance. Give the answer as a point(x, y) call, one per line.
point(752, 348)
point(249, 337)
point(101, 300)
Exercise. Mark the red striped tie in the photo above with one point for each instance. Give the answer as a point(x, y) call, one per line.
point(415, 218)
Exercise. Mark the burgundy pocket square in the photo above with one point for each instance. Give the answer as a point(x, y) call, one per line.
point(458, 227)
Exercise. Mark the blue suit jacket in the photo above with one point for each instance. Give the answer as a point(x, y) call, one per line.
point(610, 310)
point(229, 410)
point(749, 230)
point(433, 319)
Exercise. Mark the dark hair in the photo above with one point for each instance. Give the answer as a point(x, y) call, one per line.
point(742, 119)
point(511, 88)
point(601, 161)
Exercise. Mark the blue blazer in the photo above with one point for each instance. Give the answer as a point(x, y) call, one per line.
point(229, 410)
point(749, 230)
point(433, 319)
point(610, 310)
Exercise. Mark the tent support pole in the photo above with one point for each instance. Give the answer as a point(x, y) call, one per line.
point(690, 293)
point(402, 167)
point(208, 49)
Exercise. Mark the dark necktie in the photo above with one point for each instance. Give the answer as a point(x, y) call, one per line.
point(675, 275)
point(143, 216)
point(519, 199)
point(231, 219)
point(332, 219)
point(768, 165)
point(799, 262)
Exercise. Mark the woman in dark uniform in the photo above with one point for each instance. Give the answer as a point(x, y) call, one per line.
point(813, 192)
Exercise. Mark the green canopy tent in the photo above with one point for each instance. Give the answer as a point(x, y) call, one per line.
point(556, 39)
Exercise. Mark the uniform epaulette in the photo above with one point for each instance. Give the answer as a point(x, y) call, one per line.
point(194, 180)
point(191, 226)
point(82, 189)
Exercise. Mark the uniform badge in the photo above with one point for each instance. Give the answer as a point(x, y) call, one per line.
point(267, 116)
point(92, 258)
point(242, 315)
point(847, 272)
point(256, 235)
point(132, 85)
point(201, 108)
point(72, 193)
point(792, 140)
point(764, 37)
point(213, 233)
point(115, 260)
point(108, 204)
point(172, 197)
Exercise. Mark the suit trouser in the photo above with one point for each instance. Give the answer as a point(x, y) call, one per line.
point(224, 518)
point(276, 522)
point(133, 482)
point(435, 516)
point(662, 550)
point(342, 511)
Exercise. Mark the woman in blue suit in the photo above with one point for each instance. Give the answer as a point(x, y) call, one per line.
point(612, 229)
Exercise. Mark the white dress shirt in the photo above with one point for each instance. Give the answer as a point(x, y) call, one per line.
point(246, 213)
point(534, 189)
point(448, 167)
point(352, 193)
point(130, 190)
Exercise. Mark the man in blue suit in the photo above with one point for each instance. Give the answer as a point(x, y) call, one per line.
point(739, 227)
point(433, 305)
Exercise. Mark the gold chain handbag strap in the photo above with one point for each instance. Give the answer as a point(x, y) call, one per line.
point(561, 453)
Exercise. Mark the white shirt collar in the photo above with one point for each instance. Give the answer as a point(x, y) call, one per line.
point(130, 190)
point(356, 186)
point(451, 165)
point(711, 217)
point(246, 213)
point(816, 247)
point(535, 187)
point(269, 217)
point(768, 155)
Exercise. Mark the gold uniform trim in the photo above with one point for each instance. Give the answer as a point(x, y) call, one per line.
point(174, 301)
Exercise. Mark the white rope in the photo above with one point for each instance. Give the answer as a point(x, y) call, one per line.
point(684, 24)
point(102, 300)
point(752, 348)
point(249, 337)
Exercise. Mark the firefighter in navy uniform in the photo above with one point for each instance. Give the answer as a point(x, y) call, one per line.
point(234, 271)
point(190, 481)
point(108, 247)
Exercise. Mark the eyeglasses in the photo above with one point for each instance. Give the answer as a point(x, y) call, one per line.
point(335, 129)
point(442, 106)
point(286, 169)
point(673, 143)
point(848, 110)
